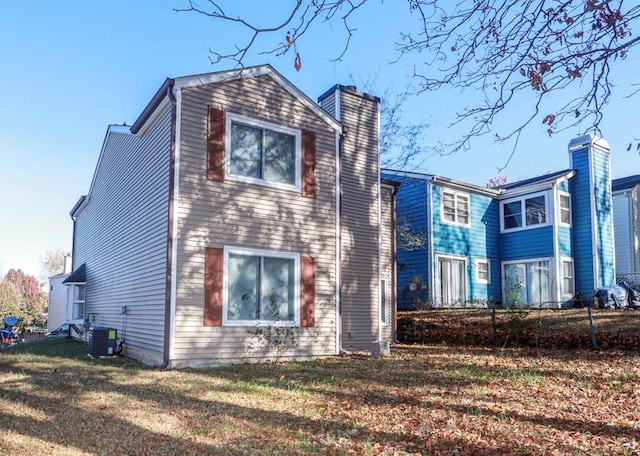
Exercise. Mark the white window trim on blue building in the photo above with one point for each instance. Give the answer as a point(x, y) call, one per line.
point(486, 262)
point(529, 282)
point(563, 277)
point(560, 209)
point(445, 293)
point(524, 225)
point(459, 213)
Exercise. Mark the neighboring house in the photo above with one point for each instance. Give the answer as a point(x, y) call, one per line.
point(626, 222)
point(536, 242)
point(235, 202)
point(58, 308)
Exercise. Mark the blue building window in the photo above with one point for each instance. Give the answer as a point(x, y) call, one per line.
point(564, 205)
point(455, 208)
point(526, 212)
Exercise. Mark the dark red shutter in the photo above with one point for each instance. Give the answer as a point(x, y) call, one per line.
point(308, 298)
point(215, 144)
point(214, 264)
point(308, 164)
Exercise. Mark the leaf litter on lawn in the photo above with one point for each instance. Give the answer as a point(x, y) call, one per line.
point(426, 399)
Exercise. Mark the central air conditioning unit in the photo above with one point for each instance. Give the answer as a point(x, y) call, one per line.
point(102, 342)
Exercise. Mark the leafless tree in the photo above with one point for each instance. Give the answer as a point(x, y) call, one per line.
point(516, 52)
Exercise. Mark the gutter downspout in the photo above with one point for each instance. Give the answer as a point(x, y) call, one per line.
point(170, 231)
point(340, 138)
point(379, 234)
point(394, 264)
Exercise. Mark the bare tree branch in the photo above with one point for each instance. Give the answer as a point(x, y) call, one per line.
point(509, 50)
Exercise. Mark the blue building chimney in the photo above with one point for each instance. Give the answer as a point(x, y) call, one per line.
point(592, 209)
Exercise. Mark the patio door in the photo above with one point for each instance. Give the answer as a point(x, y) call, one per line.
point(451, 281)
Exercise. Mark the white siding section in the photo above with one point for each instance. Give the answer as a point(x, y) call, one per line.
point(121, 235)
point(232, 213)
point(57, 313)
point(622, 221)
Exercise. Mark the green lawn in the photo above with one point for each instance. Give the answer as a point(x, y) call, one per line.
point(421, 400)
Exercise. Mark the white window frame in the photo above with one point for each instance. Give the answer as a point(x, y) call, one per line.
point(456, 195)
point(562, 194)
point(385, 316)
point(480, 261)
point(261, 253)
point(438, 281)
point(548, 260)
point(71, 302)
point(563, 291)
point(231, 118)
point(522, 199)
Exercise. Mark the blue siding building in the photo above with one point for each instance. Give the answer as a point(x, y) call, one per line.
point(537, 242)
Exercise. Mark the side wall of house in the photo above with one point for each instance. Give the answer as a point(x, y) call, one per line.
point(121, 235)
point(214, 214)
point(359, 223)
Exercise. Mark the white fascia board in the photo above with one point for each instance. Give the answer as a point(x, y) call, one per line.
point(589, 140)
point(407, 174)
point(466, 187)
point(526, 189)
point(252, 72)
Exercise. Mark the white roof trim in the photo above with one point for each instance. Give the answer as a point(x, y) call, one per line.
point(262, 70)
point(589, 140)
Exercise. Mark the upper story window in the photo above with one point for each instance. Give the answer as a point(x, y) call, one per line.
point(455, 208)
point(526, 212)
point(263, 153)
point(564, 208)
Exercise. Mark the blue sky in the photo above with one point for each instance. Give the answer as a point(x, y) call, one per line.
point(71, 68)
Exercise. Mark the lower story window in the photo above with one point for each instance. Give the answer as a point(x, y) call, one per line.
point(567, 277)
point(527, 283)
point(261, 287)
point(384, 301)
point(77, 301)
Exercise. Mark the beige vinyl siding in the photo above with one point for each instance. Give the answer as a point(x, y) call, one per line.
point(329, 104)
point(359, 222)
point(121, 235)
point(387, 258)
point(231, 213)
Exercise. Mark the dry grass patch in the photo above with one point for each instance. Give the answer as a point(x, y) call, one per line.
point(421, 400)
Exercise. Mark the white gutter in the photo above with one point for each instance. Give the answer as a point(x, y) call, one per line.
point(338, 228)
point(556, 249)
point(430, 255)
point(379, 234)
point(174, 239)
